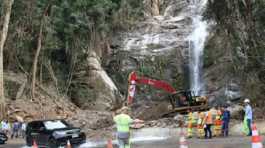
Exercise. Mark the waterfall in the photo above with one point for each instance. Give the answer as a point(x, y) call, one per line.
point(196, 46)
point(167, 36)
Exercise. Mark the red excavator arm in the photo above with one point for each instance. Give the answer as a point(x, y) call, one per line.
point(134, 79)
point(156, 83)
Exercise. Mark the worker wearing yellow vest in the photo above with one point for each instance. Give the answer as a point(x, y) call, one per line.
point(200, 124)
point(218, 123)
point(208, 123)
point(190, 124)
point(123, 122)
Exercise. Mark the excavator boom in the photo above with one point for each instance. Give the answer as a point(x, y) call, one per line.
point(159, 84)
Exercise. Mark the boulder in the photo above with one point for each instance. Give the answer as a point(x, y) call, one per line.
point(95, 89)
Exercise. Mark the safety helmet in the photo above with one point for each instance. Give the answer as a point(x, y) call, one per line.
point(246, 101)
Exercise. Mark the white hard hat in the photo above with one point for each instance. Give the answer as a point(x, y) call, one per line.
point(246, 101)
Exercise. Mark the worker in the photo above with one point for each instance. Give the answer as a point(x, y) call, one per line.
point(218, 122)
point(248, 115)
point(213, 113)
point(225, 119)
point(208, 123)
point(123, 122)
point(200, 124)
point(190, 124)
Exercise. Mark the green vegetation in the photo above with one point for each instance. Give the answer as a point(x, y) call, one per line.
point(71, 28)
point(240, 33)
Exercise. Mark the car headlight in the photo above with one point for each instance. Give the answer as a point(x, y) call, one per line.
point(59, 134)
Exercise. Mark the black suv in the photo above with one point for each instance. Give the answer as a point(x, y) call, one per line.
point(53, 133)
point(3, 138)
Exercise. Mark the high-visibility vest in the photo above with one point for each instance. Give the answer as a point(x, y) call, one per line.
point(218, 120)
point(200, 119)
point(218, 115)
point(194, 118)
point(190, 116)
point(190, 120)
point(123, 122)
point(209, 119)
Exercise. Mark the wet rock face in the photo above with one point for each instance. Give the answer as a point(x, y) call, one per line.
point(222, 84)
point(152, 7)
point(161, 34)
point(157, 48)
point(98, 91)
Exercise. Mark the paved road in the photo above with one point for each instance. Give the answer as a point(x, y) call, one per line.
point(231, 142)
point(18, 143)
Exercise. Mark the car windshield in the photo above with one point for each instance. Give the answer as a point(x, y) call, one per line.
point(51, 125)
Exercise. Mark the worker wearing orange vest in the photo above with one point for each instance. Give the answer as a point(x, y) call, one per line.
point(218, 123)
point(200, 124)
point(208, 123)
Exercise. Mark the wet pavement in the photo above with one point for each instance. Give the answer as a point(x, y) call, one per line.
point(159, 138)
point(13, 143)
point(230, 142)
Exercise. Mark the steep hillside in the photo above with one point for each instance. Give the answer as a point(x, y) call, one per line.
point(89, 48)
point(235, 53)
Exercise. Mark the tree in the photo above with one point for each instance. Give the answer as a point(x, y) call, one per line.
point(36, 57)
point(35, 62)
point(7, 7)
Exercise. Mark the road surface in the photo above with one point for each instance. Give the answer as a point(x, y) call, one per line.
point(17, 143)
point(230, 142)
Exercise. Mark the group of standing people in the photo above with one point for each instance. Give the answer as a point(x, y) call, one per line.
point(13, 130)
point(216, 119)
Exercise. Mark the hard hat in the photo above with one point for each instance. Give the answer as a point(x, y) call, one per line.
point(246, 101)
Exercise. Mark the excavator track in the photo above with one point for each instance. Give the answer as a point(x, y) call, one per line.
point(185, 109)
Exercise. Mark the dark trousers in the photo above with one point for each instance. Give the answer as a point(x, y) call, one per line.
point(14, 134)
point(249, 127)
point(207, 131)
point(225, 128)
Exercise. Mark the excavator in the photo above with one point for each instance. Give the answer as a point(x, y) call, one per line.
point(181, 101)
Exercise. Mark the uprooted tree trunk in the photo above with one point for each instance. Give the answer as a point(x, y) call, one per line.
point(7, 7)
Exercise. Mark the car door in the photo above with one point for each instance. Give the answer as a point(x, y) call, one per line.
point(43, 134)
point(33, 131)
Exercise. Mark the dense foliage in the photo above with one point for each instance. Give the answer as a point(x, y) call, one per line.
point(71, 29)
point(240, 25)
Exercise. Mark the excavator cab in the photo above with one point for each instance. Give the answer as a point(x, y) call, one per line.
point(186, 98)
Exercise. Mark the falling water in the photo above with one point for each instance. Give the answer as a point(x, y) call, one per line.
point(196, 41)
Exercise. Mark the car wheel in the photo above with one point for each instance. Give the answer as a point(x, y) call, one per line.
point(29, 141)
point(2, 142)
point(52, 143)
